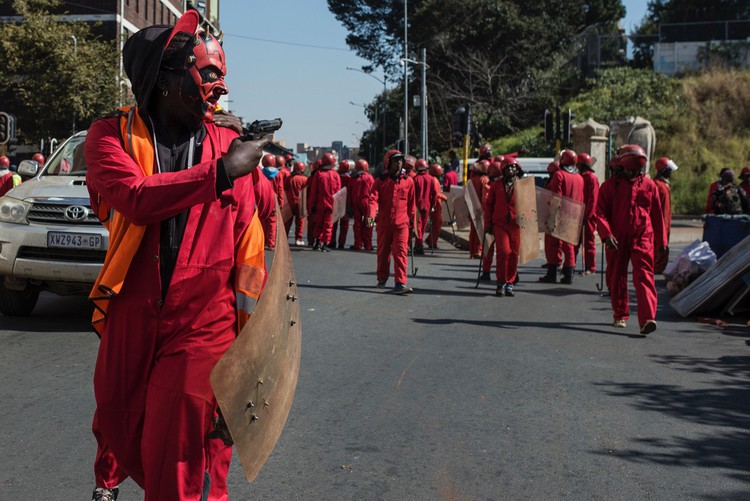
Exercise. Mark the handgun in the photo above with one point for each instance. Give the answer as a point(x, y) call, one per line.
point(260, 128)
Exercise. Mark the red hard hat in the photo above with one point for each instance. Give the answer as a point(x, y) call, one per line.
point(344, 166)
point(361, 165)
point(299, 166)
point(38, 157)
point(662, 164)
point(585, 159)
point(327, 159)
point(422, 164)
point(391, 154)
point(745, 171)
point(280, 161)
point(632, 157)
point(485, 150)
point(268, 160)
point(5, 161)
point(316, 164)
point(553, 167)
point(436, 170)
point(568, 157)
point(499, 158)
point(482, 166)
point(495, 169)
point(288, 157)
point(410, 162)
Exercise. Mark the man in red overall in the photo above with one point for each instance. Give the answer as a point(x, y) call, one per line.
point(160, 175)
point(630, 223)
point(567, 182)
point(425, 193)
point(745, 178)
point(436, 213)
point(296, 182)
point(342, 225)
point(393, 197)
point(590, 196)
point(361, 187)
point(664, 169)
point(324, 185)
point(6, 176)
point(479, 180)
point(494, 172)
point(274, 176)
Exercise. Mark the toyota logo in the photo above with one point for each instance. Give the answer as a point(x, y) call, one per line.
point(76, 213)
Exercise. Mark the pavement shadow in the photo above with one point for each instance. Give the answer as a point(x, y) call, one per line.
point(725, 403)
point(595, 328)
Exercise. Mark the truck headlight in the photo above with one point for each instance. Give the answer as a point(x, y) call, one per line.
point(13, 210)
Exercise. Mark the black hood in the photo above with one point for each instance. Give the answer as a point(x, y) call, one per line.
point(141, 58)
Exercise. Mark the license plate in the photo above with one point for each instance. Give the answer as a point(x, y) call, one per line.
point(74, 240)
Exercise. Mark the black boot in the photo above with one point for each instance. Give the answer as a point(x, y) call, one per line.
point(567, 277)
point(551, 276)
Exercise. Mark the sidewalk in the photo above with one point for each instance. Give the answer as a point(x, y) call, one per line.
point(685, 229)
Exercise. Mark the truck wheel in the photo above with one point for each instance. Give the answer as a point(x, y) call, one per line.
point(15, 303)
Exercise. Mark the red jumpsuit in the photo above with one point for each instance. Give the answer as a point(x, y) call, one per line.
point(630, 211)
point(342, 225)
point(359, 193)
point(425, 194)
point(269, 228)
point(475, 242)
point(295, 184)
point(709, 199)
point(661, 255)
point(311, 208)
point(6, 183)
point(395, 203)
point(437, 215)
point(155, 405)
point(500, 215)
point(450, 178)
point(325, 184)
point(568, 184)
point(590, 196)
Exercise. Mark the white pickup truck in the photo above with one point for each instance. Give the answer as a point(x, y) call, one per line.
point(50, 239)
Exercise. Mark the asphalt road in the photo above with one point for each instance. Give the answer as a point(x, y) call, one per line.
point(448, 393)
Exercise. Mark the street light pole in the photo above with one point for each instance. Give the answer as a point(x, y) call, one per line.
point(384, 81)
point(406, 82)
point(423, 102)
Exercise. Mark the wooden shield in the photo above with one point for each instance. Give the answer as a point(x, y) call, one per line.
point(474, 203)
point(303, 202)
point(559, 216)
point(458, 206)
point(255, 380)
point(526, 219)
point(339, 204)
point(286, 210)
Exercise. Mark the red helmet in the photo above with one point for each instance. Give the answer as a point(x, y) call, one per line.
point(436, 170)
point(499, 158)
point(327, 159)
point(361, 165)
point(584, 159)
point(316, 164)
point(482, 166)
point(38, 157)
point(344, 166)
point(299, 166)
point(268, 160)
point(745, 171)
point(391, 154)
point(422, 165)
point(5, 161)
point(410, 163)
point(662, 164)
point(568, 157)
point(512, 162)
point(553, 167)
point(632, 157)
point(280, 161)
point(288, 158)
point(485, 150)
point(495, 169)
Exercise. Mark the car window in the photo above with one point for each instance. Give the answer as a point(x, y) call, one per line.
point(70, 160)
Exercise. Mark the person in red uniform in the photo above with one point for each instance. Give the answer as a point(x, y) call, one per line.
point(479, 180)
point(450, 178)
point(436, 213)
point(590, 195)
point(567, 182)
point(500, 220)
point(323, 186)
point(6, 176)
point(494, 172)
point(342, 225)
point(296, 182)
point(664, 169)
point(630, 224)
point(549, 240)
point(713, 187)
point(310, 219)
point(272, 173)
point(361, 187)
point(410, 166)
point(161, 175)
point(393, 198)
point(425, 193)
point(745, 179)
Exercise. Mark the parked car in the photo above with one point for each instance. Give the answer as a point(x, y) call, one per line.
point(50, 239)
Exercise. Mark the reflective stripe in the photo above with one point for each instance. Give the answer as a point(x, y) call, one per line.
point(246, 303)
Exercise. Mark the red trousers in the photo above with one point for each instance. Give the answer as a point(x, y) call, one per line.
point(589, 245)
point(641, 255)
point(362, 234)
point(392, 240)
point(559, 252)
point(342, 228)
point(323, 224)
point(507, 243)
point(475, 244)
point(269, 230)
point(421, 227)
point(299, 223)
point(437, 224)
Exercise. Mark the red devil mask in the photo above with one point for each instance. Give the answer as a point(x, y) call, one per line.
point(207, 66)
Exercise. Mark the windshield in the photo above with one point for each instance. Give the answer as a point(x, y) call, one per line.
point(69, 159)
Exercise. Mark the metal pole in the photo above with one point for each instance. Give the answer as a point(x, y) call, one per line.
point(425, 151)
point(406, 82)
point(385, 107)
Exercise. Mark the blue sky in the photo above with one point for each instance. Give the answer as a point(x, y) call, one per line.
point(305, 80)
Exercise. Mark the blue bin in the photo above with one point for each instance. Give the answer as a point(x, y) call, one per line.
point(724, 231)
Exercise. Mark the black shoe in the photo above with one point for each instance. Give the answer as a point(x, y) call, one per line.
point(509, 290)
point(324, 248)
point(381, 284)
point(402, 289)
point(500, 291)
point(485, 277)
point(316, 245)
point(104, 494)
point(419, 251)
point(551, 276)
point(341, 246)
point(567, 277)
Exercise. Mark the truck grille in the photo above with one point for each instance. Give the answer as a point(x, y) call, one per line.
point(48, 212)
point(75, 255)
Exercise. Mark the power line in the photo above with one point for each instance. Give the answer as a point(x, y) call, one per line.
point(284, 43)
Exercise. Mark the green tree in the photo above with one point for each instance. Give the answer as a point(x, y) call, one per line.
point(55, 74)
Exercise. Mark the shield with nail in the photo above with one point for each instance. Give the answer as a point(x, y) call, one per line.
point(559, 216)
point(255, 380)
point(526, 219)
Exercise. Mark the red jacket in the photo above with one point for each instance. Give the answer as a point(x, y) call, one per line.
point(500, 205)
point(449, 179)
point(424, 191)
point(6, 183)
point(359, 189)
point(264, 195)
point(662, 185)
point(394, 200)
point(295, 184)
point(567, 184)
point(279, 183)
point(590, 193)
point(325, 184)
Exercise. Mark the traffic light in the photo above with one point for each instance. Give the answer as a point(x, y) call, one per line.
point(5, 128)
point(568, 117)
point(12, 145)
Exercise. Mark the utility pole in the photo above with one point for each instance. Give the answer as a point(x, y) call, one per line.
point(423, 102)
point(406, 81)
